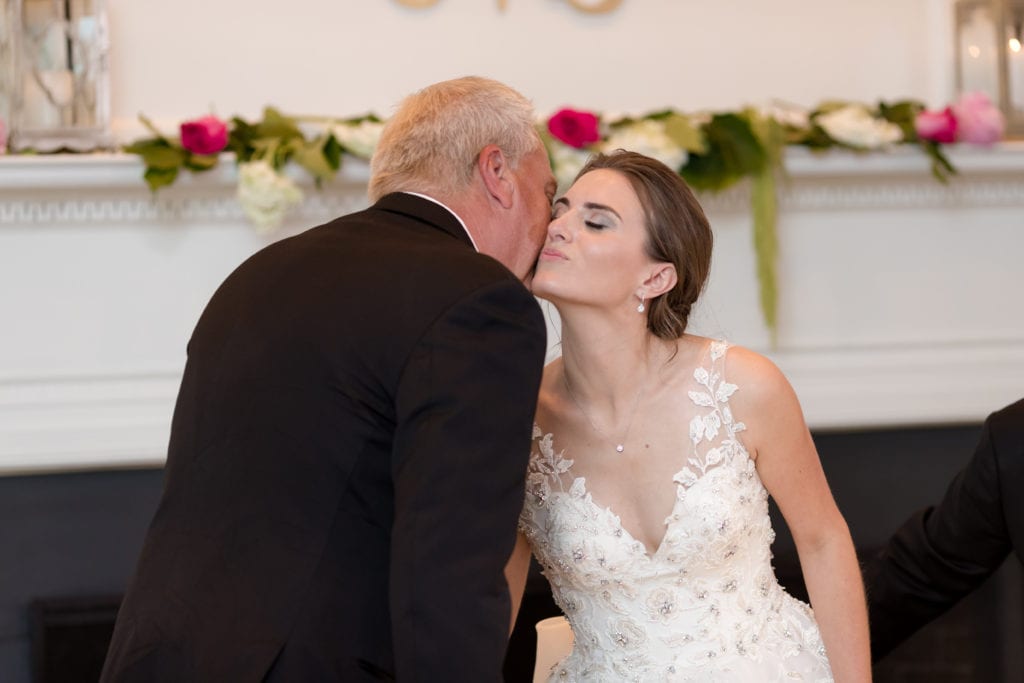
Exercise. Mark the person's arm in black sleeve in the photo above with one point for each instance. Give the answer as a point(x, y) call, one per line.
point(465, 410)
point(940, 554)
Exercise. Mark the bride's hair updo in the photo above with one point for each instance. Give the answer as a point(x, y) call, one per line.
point(677, 232)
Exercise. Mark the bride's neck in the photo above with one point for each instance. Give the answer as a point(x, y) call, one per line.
point(604, 362)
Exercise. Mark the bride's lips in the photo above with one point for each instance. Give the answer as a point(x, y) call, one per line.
point(552, 255)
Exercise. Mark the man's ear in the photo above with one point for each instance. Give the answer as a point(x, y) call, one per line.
point(661, 279)
point(494, 170)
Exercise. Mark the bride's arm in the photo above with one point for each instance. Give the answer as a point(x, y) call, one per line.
point(516, 571)
point(790, 469)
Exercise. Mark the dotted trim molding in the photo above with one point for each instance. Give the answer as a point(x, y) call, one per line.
point(200, 205)
point(885, 193)
point(182, 209)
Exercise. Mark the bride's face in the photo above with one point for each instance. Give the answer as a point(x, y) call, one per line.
point(594, 253)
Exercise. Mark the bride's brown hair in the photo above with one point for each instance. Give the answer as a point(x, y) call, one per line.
point(677, 232)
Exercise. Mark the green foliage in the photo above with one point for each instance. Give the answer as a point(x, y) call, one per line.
point(721, 150)
point(903, 115)
point(275, 138)
point(733, 152)
point(684, 132)
point(764, 210)
point(764, 206)
point(942, 169)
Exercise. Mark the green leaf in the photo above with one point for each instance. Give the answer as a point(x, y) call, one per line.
point(764, 207)
point(158, 153)
point(140, 146)
point(680, 130)
point(332, 150)
point(160, 177)
point(813, 137)
point(201, 162)
point(240, 137)
point(266, 149)
point(903, 114)
point(312, 158)
point(277, 125)
point(733, 153)
point(770, 134)
point(942, 168)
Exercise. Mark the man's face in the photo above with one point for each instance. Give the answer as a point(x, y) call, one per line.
point(535, 188)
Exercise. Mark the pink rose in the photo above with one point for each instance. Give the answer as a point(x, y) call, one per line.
point(3, 137)
point(575, 128)
point(937, 126)
point(206, 135)
point(978, 120)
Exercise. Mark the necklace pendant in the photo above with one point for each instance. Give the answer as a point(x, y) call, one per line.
point(620, 448)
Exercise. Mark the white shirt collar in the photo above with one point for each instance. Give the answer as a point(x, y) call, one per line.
point(457, 217)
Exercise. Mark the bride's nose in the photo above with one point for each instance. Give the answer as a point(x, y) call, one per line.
point(558, 231)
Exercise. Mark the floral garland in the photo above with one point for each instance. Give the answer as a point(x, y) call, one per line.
point(711, 151)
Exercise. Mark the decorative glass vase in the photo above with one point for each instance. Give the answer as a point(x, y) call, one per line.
point(6, 69)
point(990, 57)
point(60, 95)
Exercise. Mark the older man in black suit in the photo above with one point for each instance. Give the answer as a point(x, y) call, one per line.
point(349, 446)
point(945, 551)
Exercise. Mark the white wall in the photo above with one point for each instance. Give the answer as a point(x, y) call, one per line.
point(899, 296)
point(886, 317)
point(175, 60)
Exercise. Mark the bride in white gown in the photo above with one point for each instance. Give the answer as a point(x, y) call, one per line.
point(654, 455)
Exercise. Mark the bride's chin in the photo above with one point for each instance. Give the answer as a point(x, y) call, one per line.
point(540, 286)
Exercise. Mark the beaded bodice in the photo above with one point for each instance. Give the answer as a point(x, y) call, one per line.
point(705, 605)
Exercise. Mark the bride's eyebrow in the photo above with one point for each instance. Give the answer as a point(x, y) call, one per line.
point(601, 207)
point(594, 206)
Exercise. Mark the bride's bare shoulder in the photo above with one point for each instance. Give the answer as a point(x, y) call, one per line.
point(762, 388)
point(756, 374)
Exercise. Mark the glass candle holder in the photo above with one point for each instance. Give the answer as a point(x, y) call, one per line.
point(989, 55)
point(60, 95)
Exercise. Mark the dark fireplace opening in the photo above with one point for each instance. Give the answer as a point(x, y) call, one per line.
point(70, 636)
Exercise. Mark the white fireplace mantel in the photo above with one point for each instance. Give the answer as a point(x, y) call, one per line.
point(900, 297)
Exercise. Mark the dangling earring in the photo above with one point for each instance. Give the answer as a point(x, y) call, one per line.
point(640, 308)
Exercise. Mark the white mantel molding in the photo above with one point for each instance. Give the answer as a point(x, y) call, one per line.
point(78, 188)
point(900, 297)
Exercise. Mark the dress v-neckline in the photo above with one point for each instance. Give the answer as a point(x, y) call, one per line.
point(588, 496)
point(708, 349)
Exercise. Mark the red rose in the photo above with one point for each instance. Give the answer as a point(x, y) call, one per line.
point(937, 126)
point(575, 128)
point(206, 135)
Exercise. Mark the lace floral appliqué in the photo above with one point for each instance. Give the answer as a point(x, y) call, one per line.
point(706, 606)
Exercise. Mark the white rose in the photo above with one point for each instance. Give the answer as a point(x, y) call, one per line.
point(566, 162)
point(647, 137)
point(786, 114)
point(855, 126)
point(359, 138)
point(265, 195)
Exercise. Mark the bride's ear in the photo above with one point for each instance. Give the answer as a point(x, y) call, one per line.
point(660, 279)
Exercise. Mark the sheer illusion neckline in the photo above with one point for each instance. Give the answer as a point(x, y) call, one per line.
point(607, 510)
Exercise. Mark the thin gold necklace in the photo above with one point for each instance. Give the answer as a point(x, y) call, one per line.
point(621, 445)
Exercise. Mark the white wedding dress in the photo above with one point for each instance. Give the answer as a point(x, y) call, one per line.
point(706, 605)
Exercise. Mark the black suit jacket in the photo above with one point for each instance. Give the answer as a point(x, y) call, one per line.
point(346, 464)
point(945, 551)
